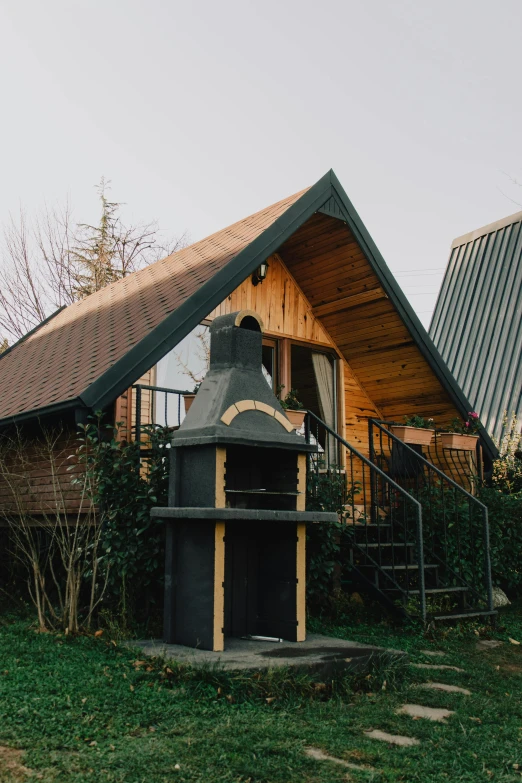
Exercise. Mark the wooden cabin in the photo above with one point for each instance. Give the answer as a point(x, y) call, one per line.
point(336, 327)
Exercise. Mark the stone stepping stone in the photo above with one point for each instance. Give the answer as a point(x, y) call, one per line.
point(488, 644)
point(437, 653)
point(320, 755)
point(437, 666)
point(392, 739)
point(430, 713)
point(442, 686)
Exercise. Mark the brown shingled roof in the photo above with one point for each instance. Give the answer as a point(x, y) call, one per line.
point(60, 360)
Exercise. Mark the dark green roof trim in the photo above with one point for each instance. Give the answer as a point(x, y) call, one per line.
point(38, 413)
point(32, 331)
point(179, 323)
point(405, 310)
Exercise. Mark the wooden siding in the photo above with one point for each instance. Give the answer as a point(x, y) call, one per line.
point(125, 406)
point(286, 312)
point(282, 306)
point(347, 299)
point(35, 482)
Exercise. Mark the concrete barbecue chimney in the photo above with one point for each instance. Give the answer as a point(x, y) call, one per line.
point(236, 520)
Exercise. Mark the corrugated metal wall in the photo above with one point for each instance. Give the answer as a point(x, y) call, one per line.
point(477, 323)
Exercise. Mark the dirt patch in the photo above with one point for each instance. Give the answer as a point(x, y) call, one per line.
point(10, 766)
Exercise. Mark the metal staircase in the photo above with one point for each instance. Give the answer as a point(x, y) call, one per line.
point(411, 535)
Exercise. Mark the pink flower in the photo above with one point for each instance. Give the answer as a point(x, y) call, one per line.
point(466, 423)
point(473, 415)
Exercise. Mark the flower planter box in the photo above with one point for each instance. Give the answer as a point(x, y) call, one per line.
point(296, 418)
point(453, 440)
point(188, 400)
point(417, 435)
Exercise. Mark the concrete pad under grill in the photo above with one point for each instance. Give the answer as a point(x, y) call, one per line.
point(318, 653)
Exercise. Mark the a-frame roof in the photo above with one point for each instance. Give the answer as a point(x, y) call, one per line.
point(476, 324)
point(89, 353)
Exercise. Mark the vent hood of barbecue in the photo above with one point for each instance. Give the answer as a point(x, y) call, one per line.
point(235, 404)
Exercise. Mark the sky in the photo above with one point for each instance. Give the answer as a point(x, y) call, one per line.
point(202, 113)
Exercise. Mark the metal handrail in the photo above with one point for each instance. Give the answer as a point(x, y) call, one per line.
point(471, 498)
point(364, 459)
point(140, 387)
point(418, 456)
point(407, 497)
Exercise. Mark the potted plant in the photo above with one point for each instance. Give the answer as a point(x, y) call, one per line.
point(462, 435)
point(188, 399)
point(416, 430)
point(293, 407)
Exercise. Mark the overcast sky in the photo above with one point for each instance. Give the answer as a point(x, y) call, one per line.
point(201, 113)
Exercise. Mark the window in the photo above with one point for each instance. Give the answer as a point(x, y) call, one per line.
point(269, 363)
point(312, 374)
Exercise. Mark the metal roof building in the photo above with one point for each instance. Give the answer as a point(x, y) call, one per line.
point(477, 323)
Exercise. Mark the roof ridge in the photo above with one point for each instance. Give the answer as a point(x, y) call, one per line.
point(489, 228)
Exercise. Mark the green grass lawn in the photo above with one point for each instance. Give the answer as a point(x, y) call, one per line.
point(85, 709)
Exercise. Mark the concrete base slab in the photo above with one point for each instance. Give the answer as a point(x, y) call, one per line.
point(430, 713)
point(442, 686)
point(392, 739)
point(317, 653)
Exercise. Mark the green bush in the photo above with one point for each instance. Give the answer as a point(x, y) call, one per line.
point(128, 481)
point(503, 497)
point(505, 535)
point(325, 492)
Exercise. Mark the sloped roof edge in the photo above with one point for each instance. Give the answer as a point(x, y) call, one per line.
point(418, 332)
point(181, 321)
point(490, 228)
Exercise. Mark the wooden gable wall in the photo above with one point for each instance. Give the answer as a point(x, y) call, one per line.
point(286, 312)
point(321, 290)
point(347, 299)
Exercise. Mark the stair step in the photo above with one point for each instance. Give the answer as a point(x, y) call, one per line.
point(412, 567)
point(463, 615)
point(434, 590)
point(363, 525)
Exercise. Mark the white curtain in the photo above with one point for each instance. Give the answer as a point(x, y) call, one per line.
point(324, 378)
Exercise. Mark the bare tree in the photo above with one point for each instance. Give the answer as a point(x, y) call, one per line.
point(58, 546)
point(52, 261)
point(201, 355)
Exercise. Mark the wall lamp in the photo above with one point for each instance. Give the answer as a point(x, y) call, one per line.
point(260, 274)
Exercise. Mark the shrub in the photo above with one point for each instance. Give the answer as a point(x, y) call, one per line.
point(57, 547)
point(325, 492)
point(503, 497)
point(127, 481)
